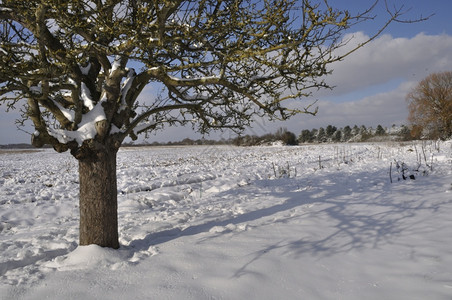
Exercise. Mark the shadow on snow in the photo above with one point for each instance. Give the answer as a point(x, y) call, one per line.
point(366, 219)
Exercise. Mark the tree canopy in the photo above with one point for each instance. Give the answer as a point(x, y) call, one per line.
point(430, 106)
point(82, 64)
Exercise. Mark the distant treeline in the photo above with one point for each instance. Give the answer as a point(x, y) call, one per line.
point(17, 146)
point(355, 134)
point(329, 134)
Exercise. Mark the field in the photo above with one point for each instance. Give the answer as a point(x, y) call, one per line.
point(331, 221)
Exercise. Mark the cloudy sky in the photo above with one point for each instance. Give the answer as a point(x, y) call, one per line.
point(370, 85)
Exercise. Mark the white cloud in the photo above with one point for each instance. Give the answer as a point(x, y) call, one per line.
point(388, 58)
point(369, 70)
point(384, 109)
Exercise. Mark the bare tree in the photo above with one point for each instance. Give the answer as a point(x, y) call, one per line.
point(430, 106)
point(80, 66)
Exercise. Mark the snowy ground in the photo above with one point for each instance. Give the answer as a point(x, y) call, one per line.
point(307, 222)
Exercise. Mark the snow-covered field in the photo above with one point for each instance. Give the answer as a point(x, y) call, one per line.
point(305, 222)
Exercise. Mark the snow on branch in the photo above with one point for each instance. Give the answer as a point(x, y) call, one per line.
point(86, 129)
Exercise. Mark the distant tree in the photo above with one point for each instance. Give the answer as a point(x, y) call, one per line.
point(355, 130)
point(187, 141)
point(380, 130)
point(268, 138)
point(346, 133)
point(289, 138)
point(364, 133)
point(337, 136)
point(81, 65)
point(330, 130)
point(305, 136)
point(405, 133)
point(314, 135)
point(286, 136)
point(430, 106)
point(250, 140)
point(321, 135)
point(280, 132)
point(238, 141)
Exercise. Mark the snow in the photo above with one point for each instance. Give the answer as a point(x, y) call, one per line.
point(86, 129)
point(68, 114)
point(306, 222)
point(86, 97)
point(126, 85)
point(36, 89)
point(116, 64)
point(202, 79)
point(85, 70)
point(142, 126)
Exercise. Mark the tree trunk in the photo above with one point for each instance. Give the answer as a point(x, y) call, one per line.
point(98, 200)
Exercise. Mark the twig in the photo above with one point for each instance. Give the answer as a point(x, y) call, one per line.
point(431, 164)
point(390, 172)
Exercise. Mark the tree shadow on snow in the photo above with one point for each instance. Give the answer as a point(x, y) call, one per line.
point(353, 216)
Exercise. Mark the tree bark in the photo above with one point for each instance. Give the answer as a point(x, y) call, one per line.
point(98, 200)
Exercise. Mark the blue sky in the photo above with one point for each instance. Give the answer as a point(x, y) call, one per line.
point(371, 84)
point(414, 9)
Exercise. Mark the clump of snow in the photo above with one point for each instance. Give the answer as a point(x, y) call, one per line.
point(116, 63)
point(36, 89)
point(142, 126)
point(86, 257)
point(85, 70)
point(69, 114)
point(71, 81)
point(86, 129)
point(126, 87)
point(218, 223)
point(86, 97)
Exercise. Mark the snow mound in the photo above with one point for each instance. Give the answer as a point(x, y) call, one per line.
point(88, 257)
point(93, 256)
